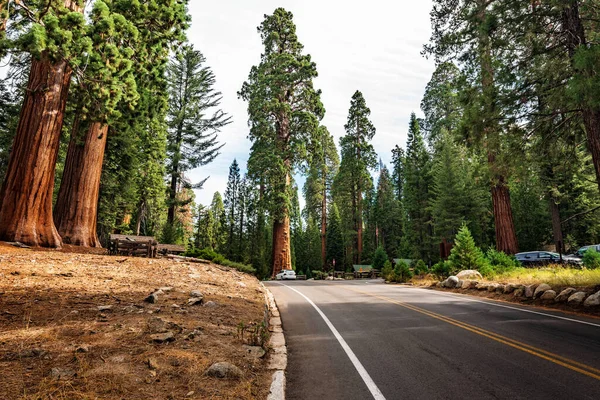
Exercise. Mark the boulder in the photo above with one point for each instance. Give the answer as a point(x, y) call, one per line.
point(224, 370)
point(254, 351)
point(564, 295)
point(481, 286)
point(492, 287)
point(466, 284)
point(540, 290)
point(576, 298)
point(500, 288)
point(593, 300)
point(519, 292)
point(451, 282)
point(469, 274)
point(437, 284)
point(459, 285)
point(529, 290)
point(548, 295)
point(210, 304)
point(163, 337)
point(196, 293)
point(509, 288)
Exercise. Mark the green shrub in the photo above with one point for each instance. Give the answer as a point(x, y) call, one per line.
point(420, 268)
point(387, 270)
point(464, 254)
point(500, 261)
point(402, 272)
point(379, 258)
point(211, 255)
point(443, 269)
point(239, 266)
point(319, 275)
point(591, 259)
point(308, 273)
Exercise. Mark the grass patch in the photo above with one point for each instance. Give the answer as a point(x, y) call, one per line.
point(552, 275)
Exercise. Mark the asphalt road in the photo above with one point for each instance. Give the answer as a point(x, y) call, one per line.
point(367, 340)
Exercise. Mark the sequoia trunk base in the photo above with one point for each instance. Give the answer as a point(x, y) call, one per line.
point(506, 239)
point(282, 251)
point(76, 208)
point(26, 194)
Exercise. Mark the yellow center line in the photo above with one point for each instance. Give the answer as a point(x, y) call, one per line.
point(546, 355)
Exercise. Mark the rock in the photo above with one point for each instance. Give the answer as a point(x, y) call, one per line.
point(492, 287)
point(152, 298)
point(576, 298)
point(241, 284)
point(254, 351)
point(84, 348)
point(519, 292)
point(437, 284)
point(195, 301)
point(157, 325)
point(540, 290)
point(210, 304)
point(548, 295)
point(481, 286)
point(165, 289)
point(163, 337)
point(529, 290)
point(500, 288)
point(196, 293)
point(61, 373)
point(104, 308)
point(451, 282)
point(564, 295)
point(593, 300)
point(152, 363)
point(469, 274)
point(509, 288)
point(33, 353)
point(466, 284)
point(224, 370)
point(459, 285)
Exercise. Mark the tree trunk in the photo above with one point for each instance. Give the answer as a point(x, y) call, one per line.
point(282, 251)
point(26, 194)
point(360, 227)
point(172, 198)
point(324, 228)
point(556, 226)
point(76, 209)
point(506, 239)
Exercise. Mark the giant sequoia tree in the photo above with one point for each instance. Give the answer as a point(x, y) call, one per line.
point(56, 39)
point(284, 112)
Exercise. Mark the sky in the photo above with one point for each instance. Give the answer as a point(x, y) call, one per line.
point(372, 46)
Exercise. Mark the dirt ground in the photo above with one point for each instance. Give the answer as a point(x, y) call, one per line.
point(76, 326)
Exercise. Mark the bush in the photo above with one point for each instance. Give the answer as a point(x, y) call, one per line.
point(379, 258)
point(464, 254)
point(420, 268)
point(591, 259)
point(443, 269)
point(402, 272)
point(239, 266)
point(387, 270)
point(500, 261)
point(319, 275)
point(211, 255)
point(205, 254)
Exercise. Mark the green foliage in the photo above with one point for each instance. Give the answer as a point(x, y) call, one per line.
point(500, 261)
point(443, 269)
point(387, 214)
point(335, 241)
point(380, 258)
point(387, 269)
point(591, 259)
point(420, 268)
point(210, 255)
point(465, 254)
point(402, 272)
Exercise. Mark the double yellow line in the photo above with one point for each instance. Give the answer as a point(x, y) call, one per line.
point(546, 355)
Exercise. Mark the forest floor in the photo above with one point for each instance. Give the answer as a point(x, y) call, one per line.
point(76, 326)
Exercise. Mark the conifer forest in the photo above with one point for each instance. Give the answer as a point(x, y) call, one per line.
point(106, 107)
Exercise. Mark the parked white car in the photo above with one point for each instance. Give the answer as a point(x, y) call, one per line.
point(286, 274)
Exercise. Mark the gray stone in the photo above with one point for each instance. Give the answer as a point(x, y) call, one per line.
point(157, 325)
point(593, 300)
point(564, 295)
point(195, 301)
point(529, 290)
point(196, 293)
point(466, 284)
point(492, 287)
point(104, 308)
point(548, 295)
point(451, 282)
point(224, 370)
point(163, 337)
point(210, 304)
point(469, 274)
point(166, 289)
point(62, 373)
point(459, 285)
point(254, 351)
point(481, 286)
point(509, 288)
point(437, 284)
point(540, 290)
point(576, 298)
point(519, 292)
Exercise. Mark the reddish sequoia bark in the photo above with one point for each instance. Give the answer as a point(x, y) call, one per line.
point(324, 228)
point(506, 239)
point(282, 252)
point(556, 226)
point(26, 194)
point(76, 209)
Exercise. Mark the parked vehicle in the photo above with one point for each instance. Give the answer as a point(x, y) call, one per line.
point(286, 274)
point(579, 253)
point(533, 258)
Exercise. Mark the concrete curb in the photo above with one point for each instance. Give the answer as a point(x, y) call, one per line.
point(278, 358)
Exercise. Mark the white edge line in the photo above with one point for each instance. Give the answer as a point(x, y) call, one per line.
point(466, 297)
point(377, 395)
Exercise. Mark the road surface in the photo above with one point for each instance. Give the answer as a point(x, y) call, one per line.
point(368, 340)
